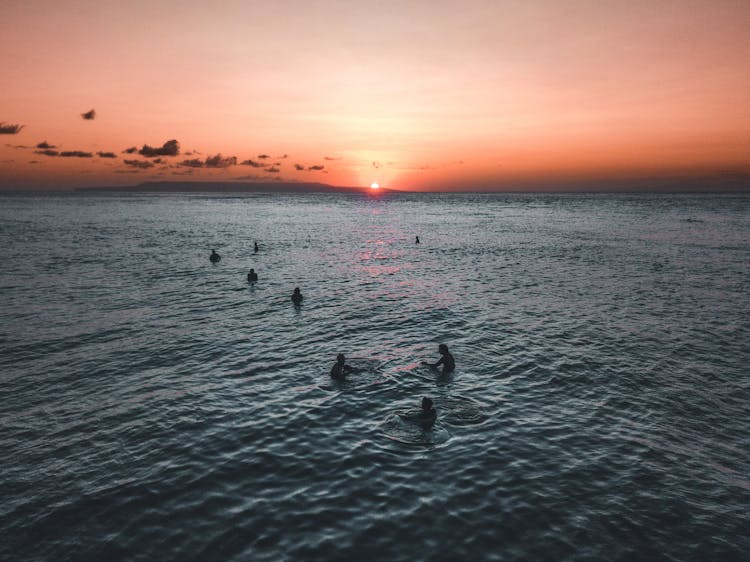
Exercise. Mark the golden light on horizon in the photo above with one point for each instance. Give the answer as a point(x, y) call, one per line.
point(374, 185)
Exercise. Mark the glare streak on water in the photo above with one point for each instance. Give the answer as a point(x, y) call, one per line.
point(155, 406)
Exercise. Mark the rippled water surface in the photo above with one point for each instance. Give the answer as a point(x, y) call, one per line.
point(154, 406)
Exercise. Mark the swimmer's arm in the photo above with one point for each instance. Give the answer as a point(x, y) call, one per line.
point(434, 365)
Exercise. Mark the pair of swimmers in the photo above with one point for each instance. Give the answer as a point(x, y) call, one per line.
point(340, 369)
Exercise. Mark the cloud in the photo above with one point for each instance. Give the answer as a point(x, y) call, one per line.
point(219, 162)
point(10, 129)
point(47, 152)
point(182, 173)
point(254, 177)
point(89, 115)
point(299, 167)
point(331, 158)
point(273, 170)
point(283, 157)
point(76, 154)
point(140, 164)
point(45, 144)
point(252, 163)
point(106, 154)
point(263, 156)
point(315, 168)
point(169, 148)
point(18, 146)
point(131, 150)
point(192, 163)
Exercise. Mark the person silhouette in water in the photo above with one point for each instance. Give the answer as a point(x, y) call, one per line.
point(417, 240)
point(215, 258)
point(255, 248)
point(340, 369)
point(297, 296)
point(425, 417)
point(252, 277)
point(446, 360)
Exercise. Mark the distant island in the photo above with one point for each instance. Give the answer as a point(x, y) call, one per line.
point(233, 187)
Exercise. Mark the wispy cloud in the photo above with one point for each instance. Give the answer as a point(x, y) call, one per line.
point(140, 164)
point(89, 115)
point(256, 177)
point(10, 129)
point(252, 163)
point(263, 156)
point(273, 170)
point(315, 168)
point(169, 148)
point(45, 144)
point(47, 152)
point(192, 163)
point(299, 167)
point(331, 158)
point(131, 150)
point(106, 154)
point(76, 154)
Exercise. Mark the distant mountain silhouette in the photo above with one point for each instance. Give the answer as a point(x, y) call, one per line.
point(233, 187)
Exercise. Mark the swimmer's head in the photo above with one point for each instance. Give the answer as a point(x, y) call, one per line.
point(340, 358)
point(296, 289)
point(442, 348)
point(426, 403)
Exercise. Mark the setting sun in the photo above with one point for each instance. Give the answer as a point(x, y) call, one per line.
point(374, 185)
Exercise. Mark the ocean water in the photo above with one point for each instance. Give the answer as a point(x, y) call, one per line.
point(154, 406)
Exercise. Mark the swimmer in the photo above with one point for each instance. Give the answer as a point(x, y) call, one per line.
point(417, 240)
point(216, 258)
point(297, 296)
point(446, 360)
point(252, 277)
point(255, 249)
point(425, 417)
point(340, 369)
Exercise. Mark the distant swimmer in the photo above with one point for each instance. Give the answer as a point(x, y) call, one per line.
point(297, 296)
point(340, 369)
point(216, 258)
point(425, 417)
point(417, 240)
point(255, 249)
point(446, 360)
point(252, 277)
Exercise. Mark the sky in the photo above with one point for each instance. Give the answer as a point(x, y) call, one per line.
point(414, 95)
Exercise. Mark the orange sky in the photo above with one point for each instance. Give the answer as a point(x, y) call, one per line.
point(429, 94)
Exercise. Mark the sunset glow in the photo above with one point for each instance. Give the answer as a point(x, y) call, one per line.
point(495, 95)
point(374, 185)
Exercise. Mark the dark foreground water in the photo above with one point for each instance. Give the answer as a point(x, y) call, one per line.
point(154, 406)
